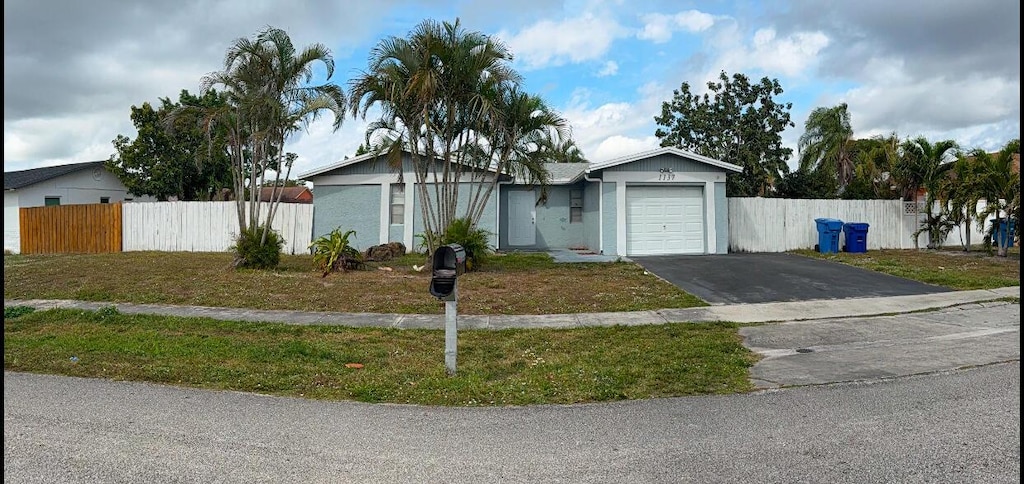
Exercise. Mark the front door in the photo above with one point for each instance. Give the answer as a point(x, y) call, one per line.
point(522, 218)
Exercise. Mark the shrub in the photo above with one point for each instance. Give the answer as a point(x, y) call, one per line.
point(253, 253)
point(333, 251)
point(472, 238)
point(11, 312)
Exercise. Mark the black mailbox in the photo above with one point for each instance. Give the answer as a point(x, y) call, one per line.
point(449, 262)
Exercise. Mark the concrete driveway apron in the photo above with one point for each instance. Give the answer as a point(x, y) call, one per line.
point(775, 277)
point(854, 349)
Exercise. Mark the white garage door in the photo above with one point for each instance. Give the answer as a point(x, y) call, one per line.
point(664, 220)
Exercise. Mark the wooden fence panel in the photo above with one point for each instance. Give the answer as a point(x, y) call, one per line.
point(70, 229)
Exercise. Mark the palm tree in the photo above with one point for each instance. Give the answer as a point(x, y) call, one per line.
point(960, 194)
point(922, 164)
point(443, 95)
point(826, 143)
point(561, 150)
point(999, 185)
point(267, 84)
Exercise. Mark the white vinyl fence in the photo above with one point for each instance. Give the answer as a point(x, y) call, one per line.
point(780, 224)
point(206, 226)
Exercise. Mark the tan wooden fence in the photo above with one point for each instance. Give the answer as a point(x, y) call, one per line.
point(71, 229)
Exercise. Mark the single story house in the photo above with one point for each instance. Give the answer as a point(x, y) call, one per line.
point(71, 184)
point(663, 201)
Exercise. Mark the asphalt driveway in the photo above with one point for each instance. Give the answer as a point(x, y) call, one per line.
point(775, 277)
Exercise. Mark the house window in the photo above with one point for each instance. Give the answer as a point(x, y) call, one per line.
point(104, 199)
point(51, 201)
point(575, 206)
point(397, 204)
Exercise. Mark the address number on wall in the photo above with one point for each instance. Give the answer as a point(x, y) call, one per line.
point(665, 174)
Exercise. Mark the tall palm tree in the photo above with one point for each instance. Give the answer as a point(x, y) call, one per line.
point(960, 195)
point(922, 164)
point(999, 185)
point(270, 98)
point(442, 94)
point(826, 143)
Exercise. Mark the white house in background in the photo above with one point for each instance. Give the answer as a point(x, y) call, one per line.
point(72, 184)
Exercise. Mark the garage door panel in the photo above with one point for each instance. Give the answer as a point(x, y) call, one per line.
point(664, 220)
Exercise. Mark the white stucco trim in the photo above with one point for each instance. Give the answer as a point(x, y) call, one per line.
point(623, 179)
point(372, 179)
point(660, 151)
point(410, 213)
point(385, 213)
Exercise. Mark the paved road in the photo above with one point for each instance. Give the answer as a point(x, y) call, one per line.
point(958, 426)
point(759, 278)
point(961, 427)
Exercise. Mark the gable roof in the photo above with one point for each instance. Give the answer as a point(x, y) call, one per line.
point(564, 173)
point(661, 151)
point(14, 180)
point(337, 164)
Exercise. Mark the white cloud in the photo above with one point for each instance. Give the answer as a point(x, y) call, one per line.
point(617, 145)
point(792, 55)
point(658, 27)
point(609, 68)
point(548, 43)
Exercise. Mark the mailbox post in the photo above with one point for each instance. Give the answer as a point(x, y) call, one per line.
point(448, 263)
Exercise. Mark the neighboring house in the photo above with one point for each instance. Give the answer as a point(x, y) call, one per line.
point(288, 194)
point(663, 201)
point(72, 184)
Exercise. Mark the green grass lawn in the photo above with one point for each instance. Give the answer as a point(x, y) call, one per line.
point(517, 283)
point(509, 367)
point(954, 269)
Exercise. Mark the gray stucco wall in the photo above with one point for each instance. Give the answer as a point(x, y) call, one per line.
point(487, 221)
point(610, 246)
point(351, 207)
point(554, 231)
point(677, 165)
point(721, 218)
point(591, 216)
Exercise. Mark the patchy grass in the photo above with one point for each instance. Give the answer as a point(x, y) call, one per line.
point(519, 283)
point(953, 269)
point(510, 367)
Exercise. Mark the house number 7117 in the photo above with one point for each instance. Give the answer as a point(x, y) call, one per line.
point(665, 174)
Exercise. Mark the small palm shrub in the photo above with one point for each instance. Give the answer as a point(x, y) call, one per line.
point(252, 252)
point(472, 238)
point(334, 251)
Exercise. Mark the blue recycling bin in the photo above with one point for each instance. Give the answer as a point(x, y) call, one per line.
point(856, 236)
point(1003, 231)
point(828, 234)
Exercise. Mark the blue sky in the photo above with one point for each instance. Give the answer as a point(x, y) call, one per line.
point(941, 69)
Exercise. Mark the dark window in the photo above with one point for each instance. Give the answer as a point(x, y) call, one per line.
point(575, 206)
point(51, 201)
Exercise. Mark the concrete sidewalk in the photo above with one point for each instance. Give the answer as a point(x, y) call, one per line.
point(740, 313)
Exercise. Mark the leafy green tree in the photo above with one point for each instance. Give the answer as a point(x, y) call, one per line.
point(999, 184)
point(736, 121)
point(826, 144)
point(960, 193)
point(451, 99)
point(269, 97)
point(806, 183)
point(177, 161)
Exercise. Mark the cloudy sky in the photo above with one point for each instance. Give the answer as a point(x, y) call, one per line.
point(943, 69)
